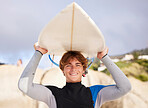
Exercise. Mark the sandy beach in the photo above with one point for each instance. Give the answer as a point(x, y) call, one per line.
point(12, 97)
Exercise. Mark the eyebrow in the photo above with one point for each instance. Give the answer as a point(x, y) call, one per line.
point(76, 63)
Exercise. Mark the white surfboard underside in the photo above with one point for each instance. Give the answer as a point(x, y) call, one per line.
point(72, 29)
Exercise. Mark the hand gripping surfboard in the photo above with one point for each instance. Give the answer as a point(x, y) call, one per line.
point(72, 29)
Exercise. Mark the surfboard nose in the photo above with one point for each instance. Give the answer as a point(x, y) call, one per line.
point(72, 29)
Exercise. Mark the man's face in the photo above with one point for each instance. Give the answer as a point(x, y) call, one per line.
point(73, 71)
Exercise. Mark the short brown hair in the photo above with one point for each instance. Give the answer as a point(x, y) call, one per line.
point(70, 55)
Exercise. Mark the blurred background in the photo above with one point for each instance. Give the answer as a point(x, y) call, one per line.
point(124, 25)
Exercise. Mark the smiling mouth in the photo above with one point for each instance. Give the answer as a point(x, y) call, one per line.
point(73, 74)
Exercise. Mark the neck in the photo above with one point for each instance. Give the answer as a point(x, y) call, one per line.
point(73, 83)
point(73, 86)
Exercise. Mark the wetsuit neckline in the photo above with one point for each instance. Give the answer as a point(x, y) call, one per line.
point(76, 83)
point(74, 87)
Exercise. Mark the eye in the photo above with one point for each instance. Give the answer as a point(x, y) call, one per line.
point(68, 65)
point(78, 65)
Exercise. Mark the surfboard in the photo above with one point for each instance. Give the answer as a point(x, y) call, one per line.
point(72, 30)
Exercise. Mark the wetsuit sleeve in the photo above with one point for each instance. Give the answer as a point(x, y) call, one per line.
point(121, 87)
point(26, 85)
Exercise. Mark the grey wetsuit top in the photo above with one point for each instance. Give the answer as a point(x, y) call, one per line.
point(99, 93)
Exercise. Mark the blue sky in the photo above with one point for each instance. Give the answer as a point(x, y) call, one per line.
point(124, 24)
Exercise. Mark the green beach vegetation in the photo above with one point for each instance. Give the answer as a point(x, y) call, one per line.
point(137, 68)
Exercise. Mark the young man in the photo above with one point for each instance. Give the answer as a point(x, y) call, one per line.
point(73, 94)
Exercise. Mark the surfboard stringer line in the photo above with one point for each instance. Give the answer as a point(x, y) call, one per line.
point(72, 27)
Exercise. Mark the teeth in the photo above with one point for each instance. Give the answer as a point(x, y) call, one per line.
point(74, 74)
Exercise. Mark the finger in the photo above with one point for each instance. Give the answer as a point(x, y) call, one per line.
point(36, 46)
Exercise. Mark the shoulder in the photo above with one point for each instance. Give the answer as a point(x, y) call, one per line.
point(97, 87)
point(95, 90)
point(53, 89)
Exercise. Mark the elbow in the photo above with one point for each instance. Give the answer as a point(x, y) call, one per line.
point(127, 88)
point(22, 85)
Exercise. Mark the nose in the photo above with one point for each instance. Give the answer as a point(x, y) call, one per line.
point(73, 68)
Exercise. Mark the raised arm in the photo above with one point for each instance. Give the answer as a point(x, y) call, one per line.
point(26, 84)
point(122, 85)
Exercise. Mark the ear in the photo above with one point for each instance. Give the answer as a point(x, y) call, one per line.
point(83, 71)
point(83, 74)
point(63, 73)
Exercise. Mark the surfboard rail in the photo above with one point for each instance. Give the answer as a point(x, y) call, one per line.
point(72, 29)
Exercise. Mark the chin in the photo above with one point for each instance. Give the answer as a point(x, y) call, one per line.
point(75, 80)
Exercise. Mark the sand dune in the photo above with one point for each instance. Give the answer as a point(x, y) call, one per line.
point(11, 97)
